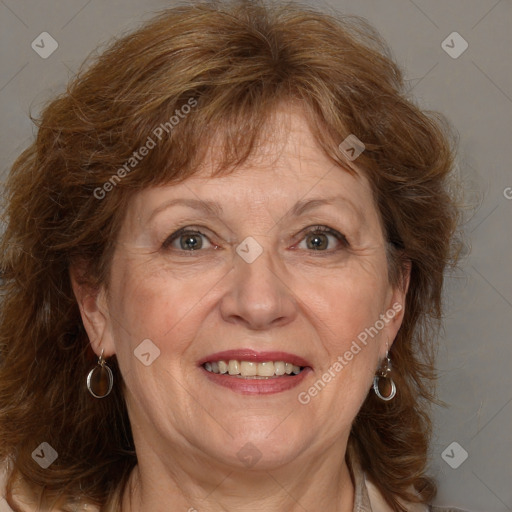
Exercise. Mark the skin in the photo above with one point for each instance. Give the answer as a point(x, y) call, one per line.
point(292, 298)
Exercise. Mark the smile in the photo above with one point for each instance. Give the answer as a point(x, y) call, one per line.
point(252, 369)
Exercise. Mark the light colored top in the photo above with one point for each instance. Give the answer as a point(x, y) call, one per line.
point(367, 496)
point(3, 504)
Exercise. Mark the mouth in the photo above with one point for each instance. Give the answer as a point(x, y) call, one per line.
point(252, 369)
point(250, 372)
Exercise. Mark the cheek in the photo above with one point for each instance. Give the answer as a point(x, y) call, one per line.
point(349, 304)
point(346, 312)
point(150, 301)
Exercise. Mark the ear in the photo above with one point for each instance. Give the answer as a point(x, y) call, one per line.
point(93, 305)
point(396, 302)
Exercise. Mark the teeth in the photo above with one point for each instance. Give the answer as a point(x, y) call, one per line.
point(248, 369)
point(266, 369)
point(251, 369)
point(279, 367)
point(233, 367)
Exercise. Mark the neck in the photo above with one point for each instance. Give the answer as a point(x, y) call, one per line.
point(193, 484)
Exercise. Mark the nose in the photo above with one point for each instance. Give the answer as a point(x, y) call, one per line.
point(258, 296)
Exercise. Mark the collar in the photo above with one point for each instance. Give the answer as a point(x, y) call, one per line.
point(361, 497)
point(367, 498)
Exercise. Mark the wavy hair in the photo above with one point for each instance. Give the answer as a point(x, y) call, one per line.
point(67, 194)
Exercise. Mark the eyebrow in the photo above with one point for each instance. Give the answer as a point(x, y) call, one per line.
point(208, 207)
point(214, 209)
point(301, 207)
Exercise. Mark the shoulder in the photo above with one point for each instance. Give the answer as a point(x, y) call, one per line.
point(4, 507)
point(446, 509)
point(368, 498)
point(378, 504)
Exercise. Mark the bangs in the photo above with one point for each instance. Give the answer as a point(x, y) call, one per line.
point(223, 126)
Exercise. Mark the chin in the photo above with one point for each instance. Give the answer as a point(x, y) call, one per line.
point(262, 445)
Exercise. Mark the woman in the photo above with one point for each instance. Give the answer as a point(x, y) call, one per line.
point(222, 273)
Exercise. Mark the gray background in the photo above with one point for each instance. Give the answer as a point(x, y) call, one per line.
point(474, 91)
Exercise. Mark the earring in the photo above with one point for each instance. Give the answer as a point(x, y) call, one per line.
point(100, 379)
point(383, 373)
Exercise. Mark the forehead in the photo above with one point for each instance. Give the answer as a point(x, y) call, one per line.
point(286, 164)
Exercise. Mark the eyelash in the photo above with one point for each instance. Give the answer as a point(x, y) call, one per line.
point(310, 230)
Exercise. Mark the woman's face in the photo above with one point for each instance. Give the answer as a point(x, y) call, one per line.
point(283, 261)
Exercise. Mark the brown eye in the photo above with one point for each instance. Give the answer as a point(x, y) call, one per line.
point(190, 241)
point(185, 240)
point(317, 241)
point(322, 238)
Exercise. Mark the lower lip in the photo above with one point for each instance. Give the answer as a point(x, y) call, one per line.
point(257, 386)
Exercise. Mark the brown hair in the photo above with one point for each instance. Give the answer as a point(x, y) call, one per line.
point(232, 63)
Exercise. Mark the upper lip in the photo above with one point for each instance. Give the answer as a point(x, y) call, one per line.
point(247, 354)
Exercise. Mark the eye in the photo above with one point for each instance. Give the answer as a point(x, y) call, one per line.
point(186, 239)
point(319, 239)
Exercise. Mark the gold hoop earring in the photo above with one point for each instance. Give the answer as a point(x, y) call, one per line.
point(383, 373)
point(100, 379)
